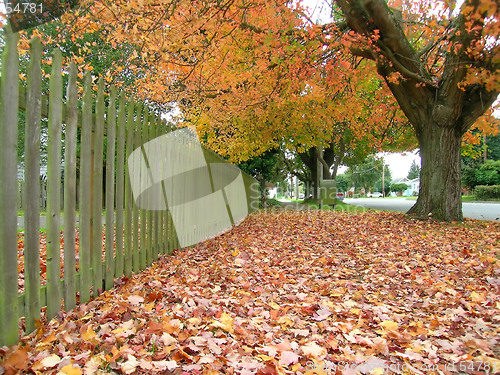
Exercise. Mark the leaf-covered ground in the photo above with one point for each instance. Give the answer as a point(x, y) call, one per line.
point(313, 292)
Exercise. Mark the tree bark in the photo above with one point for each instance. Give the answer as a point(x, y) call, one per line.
point(309, 160)
point(438, 107)
point(440, 178)
point(262, 185)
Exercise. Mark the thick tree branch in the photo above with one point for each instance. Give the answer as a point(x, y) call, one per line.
point(402, 69)
point(365, 16)
point(321, 160)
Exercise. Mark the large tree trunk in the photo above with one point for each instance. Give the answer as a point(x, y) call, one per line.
point(439, 103)
point(440, 178)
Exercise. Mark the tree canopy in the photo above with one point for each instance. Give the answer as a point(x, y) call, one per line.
point(254, 76)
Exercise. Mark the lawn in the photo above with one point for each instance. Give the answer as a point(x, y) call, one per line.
point(308, 292)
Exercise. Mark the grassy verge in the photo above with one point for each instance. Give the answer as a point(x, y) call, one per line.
point(465, 198)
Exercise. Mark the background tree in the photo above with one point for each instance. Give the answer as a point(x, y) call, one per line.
point(265, 168)
point(493, 147)
point(294, 166)
point(442, 68)
point(343, 183)
point(399, 187)
point(414, 171)
point(366, 174)
point(487, 173)
point(476, 154)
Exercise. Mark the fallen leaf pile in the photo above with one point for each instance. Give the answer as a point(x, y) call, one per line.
point(314, 292)
point(43, 256)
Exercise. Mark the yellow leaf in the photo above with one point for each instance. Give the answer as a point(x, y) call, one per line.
point(264, 357)
point(389, 325)
point(51, 361)
point(236, 252)
point(295, 367)
point(70, 370)
point(274, 305)
point(225, 323)
point(477, 297)
point(89, 334)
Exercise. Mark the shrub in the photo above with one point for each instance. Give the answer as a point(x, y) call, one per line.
point(399, 188)
point(488, 192)
point(486, 174)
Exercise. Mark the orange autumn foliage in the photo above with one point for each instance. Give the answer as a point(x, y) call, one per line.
point(253, 75)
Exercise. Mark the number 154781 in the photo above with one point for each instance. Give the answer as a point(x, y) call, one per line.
point(23, 7)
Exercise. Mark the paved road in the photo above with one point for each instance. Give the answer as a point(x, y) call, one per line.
point(471, 210)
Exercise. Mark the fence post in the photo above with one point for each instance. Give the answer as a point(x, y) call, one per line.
point(120, 173)
point(70, 189)
point(144, 258)
point(135, 210)
point(156, 215)
point(53, 290)
point(32, 190)
point(97, 191)
point(110, 188)
point(129, 203)
point(85, 193)
point(145, 252)
point(9, 102)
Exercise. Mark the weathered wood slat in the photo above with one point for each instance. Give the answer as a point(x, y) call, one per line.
point(97, 176)
point(70, 190)
point(54, 292)
point(24, 104)
point(32, 190)
point(120, 173)
point(85, 191)
point(110, 188)
point(145, 258)
point(168, 238)
point(153, 215)
point(129, 204)
point(135, 230)
point(9, 100)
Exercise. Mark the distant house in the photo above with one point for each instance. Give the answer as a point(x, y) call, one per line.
point(413, 186)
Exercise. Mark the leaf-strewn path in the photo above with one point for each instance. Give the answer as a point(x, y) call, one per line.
point(293, 292)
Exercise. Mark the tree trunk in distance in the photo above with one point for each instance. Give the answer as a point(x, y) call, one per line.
point(440, 175)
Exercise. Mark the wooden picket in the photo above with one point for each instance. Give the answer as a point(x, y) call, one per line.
point(134, 238)
point(53, 185)
point(144, 224)
point(85, 191)
point(70, 142)
point(32, 191)
point(120, 178)
point(9, 98)
point(97, 143)
point(136, 253)
point(110, 191)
